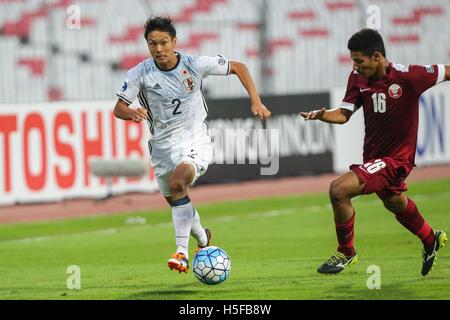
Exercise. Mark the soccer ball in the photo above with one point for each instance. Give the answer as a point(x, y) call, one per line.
point(212, 265)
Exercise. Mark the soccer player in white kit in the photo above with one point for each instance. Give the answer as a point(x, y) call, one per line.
point(168, 86)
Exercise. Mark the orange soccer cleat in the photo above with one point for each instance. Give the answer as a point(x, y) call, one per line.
point(178, 261)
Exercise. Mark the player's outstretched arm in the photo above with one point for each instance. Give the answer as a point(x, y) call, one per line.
point(447, 73)
point(241, 70)
point(338, 115)
point(122, 111)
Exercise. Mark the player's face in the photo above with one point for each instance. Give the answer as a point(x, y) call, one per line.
point(364, 65)
point(162, 48)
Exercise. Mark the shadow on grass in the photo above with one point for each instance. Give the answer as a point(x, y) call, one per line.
point(174, 292)
point(393, 291)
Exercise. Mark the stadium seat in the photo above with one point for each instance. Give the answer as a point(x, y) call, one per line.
point(110, 42)
point(36, 65)
point(132, 34)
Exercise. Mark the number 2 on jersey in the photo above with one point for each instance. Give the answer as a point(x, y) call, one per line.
point(379, 102)
point(177, 102)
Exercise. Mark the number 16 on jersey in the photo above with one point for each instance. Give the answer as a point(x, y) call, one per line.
point(379, 102)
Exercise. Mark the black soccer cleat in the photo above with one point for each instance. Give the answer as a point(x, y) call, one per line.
point(429, 256)
point(337, 263)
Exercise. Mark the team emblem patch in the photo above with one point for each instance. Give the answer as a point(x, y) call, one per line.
point(189, 84)
point(221, 61)
point(395, 91)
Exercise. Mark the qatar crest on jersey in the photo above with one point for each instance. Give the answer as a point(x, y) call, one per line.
point(189, 84)
point(395, 91)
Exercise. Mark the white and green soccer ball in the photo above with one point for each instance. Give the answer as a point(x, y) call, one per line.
point(212, 265)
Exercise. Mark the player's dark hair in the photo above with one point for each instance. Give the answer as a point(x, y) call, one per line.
point(367, 41)
point(161, 23)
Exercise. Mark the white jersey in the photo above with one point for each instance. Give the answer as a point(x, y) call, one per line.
point(173, 98)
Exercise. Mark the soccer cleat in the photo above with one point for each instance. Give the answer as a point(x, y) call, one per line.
point(208, 236)
point(429, 257)
point(337, 263)
point(178, 262)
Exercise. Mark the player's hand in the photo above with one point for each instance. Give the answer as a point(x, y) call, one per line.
point(260, 110)
point(139, 114)
point(313, 115)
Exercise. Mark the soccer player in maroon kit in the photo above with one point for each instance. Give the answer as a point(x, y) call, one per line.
point(389, 95)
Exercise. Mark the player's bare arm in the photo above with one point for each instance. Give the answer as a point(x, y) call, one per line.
point(124, 112)
point(338, 115)
point(241, 70)
point(447, 73)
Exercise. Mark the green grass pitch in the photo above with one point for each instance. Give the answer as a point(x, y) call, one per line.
point(275, 245)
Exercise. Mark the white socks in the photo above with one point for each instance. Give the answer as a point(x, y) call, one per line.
point(182, 216)
point(186, 220)
point(197, 231)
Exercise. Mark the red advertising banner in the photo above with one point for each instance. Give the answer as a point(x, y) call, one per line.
point(46, 149)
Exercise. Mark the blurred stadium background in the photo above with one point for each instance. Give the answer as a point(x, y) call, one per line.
point(290, 46)
point(63, 61)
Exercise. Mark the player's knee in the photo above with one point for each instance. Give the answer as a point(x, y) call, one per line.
point(394, 206)
point(337, 191)
point(176, 186)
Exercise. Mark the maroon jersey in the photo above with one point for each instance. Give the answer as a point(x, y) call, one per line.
point(391, 109)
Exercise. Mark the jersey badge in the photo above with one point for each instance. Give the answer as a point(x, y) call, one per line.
point(395, 91)
point(189, 84)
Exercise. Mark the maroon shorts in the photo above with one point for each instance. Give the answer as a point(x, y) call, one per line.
point(384, 176)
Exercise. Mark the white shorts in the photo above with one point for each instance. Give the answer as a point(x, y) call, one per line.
point(199, 154)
